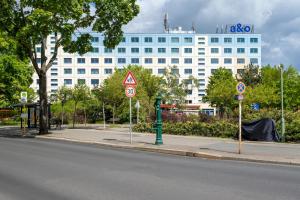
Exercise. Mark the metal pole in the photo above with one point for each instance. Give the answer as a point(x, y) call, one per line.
point(240, 125)
point(130, 131)
point(282, 111)
point(24, 122)
point(103, 115)
point(137, 117)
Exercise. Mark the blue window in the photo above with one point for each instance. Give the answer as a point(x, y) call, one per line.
point(108, 60)
point(148, 60)
point(107, 71)
point(135, 60)
point(175, 39)
point(95, 50)
point(214, 40)
point(241, 61)
point(94, 71)
point(67, 71)
point(240, 50)
point(161, 40)
point(68, 81)
point(174, 50)
point(148, 39)
point(148, 50)
point(121, 60)
point(254, 60)
point(94, 60)
point(95, 39)
point(188, 61)
point(227, 40)
point(240, 40)
point(134, 39)
point(227, 61)
point(188, 71)
point(161, 71)
point(188, 40)
point(253, 50)
point(253, 40)
point(121, 50)
point(80, 81)
point(161, 50)
point(227, 50)
point(214, 50)
point(214, 61)
point(135, 50)
point(188, 50)
point(80, 71)
point(175, 60)
point(161, 60)
point(107, 50)
point(38, 49)
point(67, 60)
point(94, 82)
point(80, 60)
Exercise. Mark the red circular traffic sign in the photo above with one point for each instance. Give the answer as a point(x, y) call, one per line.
point(130, 91)
point(241, 87)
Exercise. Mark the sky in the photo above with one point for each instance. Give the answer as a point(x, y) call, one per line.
point(278, 21)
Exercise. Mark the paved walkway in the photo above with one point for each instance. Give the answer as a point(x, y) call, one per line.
point(207, 147)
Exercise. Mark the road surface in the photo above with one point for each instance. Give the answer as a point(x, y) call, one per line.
point(39, 169)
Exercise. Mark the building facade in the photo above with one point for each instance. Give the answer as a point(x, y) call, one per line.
point(193, 54)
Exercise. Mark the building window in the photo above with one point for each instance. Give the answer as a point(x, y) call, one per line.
point(240, 71)
point(67, 81)
point(161, 61)
point(67, 60)
point(148, 39)
point(214, 50)
point(253, 40)
point(54, 69)
point(161, 71)
point(188, 71)
point(94, 60)
point(94, 71)
point(121, 60)
point(188, 50)
point(107, 50)
point(227, 61)
point(135, 50)
point(94, 82)
point(253, 50)
point(123, 39)
point(38, 49)
point(227, 40)
point(54, 80)
point(175, 39)
point(214, 40)
point(148, 50)
point(54, 84)
point(95, 39)
point(240, 40)
point(161, 40)
point(188, 61)
point(68, 71)
point(80, 81)
point(161, 50)
point(80, 60)
point(53, 74)
point(241, 61)
point(135, 60)
point(174, 50)
point(107, 71)
point(95, 50)
point(121, 50)
point(148, 60)
point(134, 39)
point(175, 60)
point(254, 60)
point(240, 50)
point(188, 40)
point(214, 61)
point(80, 71)
point(108, 60)
point(227, 50)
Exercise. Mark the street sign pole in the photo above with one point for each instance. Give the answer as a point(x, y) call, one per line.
point(240, 125)
point(130, 131)
point(103, 115)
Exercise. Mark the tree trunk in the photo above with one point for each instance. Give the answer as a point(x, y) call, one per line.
point(62, 114)
point(43, 103)
point(74, 114)
point(103, 115)
point(114, 113)
point(84, 116)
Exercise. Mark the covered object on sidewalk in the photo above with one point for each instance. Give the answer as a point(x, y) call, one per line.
point(260, 130)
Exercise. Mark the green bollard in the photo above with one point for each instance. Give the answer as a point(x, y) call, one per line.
point(158, 123)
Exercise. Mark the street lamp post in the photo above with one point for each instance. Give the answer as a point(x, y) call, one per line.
point(282, 111)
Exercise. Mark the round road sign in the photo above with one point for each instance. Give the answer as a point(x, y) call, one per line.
point(240, 87)
point(130, 91)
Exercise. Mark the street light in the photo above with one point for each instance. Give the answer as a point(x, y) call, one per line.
point(282, 112)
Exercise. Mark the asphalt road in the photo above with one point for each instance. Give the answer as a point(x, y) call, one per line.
point(38, 169)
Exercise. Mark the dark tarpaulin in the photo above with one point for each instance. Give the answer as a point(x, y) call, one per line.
point(260, 130)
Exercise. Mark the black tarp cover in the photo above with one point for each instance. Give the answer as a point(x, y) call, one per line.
point(260, 130)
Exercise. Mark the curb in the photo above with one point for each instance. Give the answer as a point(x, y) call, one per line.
point(203, 155)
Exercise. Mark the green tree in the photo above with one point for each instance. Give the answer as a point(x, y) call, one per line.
point(250, 75)
point(221, 90)
point(30, 23)
point(63, 95)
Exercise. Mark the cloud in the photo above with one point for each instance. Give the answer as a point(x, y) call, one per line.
point(278, 21)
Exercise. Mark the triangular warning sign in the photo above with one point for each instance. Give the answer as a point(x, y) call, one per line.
point(129, 79)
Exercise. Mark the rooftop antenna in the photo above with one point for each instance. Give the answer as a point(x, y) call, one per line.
point(217, 29)
point(225, 31)
point(193, 27)
point(166, 24)
point(222, 28)
point(252, 28)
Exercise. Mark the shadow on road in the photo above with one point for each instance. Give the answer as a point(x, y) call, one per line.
point(17, 132)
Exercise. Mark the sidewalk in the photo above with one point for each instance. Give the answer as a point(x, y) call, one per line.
point(195, 146)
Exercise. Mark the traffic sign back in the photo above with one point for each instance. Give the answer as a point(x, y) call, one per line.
point(129, 79)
